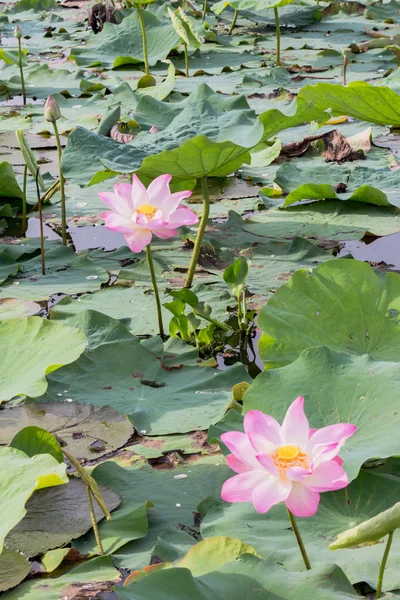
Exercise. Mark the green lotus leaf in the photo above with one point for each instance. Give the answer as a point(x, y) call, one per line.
point(34, 440)
point(158, 400)
point(14, 567)
point(359, 99)
point(75, 581)
point(85, 431)
point(41, 346)
point(242, 578)
point(250, 5)
point(118, 45)
point(185, 27)
point(321, 191)
point(341, 304)
point(55, 516)
point(20, 476)
point(370, 531)
point(175, 494)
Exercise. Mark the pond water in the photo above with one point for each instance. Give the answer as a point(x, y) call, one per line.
point(382, 250)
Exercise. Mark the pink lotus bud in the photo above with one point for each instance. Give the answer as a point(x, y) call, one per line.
point(17, 32)
point(51, 110)
point(153, 129)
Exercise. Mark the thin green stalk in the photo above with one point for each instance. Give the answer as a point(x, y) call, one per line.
point(345, 63)
point(40, 223)
point(205, 7)
point(21, 71)
point(94, 521)
point(24, 199)
point(200, 233)
point(240, 315)
point(62, 187)
point(383, 565)
point(243, 323)
point(144, 39)
point(185, 48)
point(299, 540)
point(235, 16)
point(278, 38)
point(155, 288)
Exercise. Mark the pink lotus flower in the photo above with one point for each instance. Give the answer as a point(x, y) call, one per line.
point(288, 463)
point(138, 212)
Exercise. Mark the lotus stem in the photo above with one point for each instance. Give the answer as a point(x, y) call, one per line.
point(62, 187)
point(94, 521)
point(299, 540)
point(204, 10)
point(345, 63)
point(40, 223)
point(144, 39)
point(200, 233)
point(383, 565)
point(21, 71)
point(278, 38)
point(155, 288)
point(24, 198)
point(235, 16)
point(243, 323)
point(185, 48)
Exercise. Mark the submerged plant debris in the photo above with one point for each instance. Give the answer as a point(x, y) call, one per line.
point(279, 124)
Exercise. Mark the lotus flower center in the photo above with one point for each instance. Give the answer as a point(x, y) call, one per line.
point(289, 456)
point(288, 452)
point(148, 210)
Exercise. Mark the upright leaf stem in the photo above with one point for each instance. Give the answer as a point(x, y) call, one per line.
point(235, 16)
point(278, 38)
point(93, 520)
point(299, 540)
point(155, 288)
point(205, 7)
point(24, 198)
point(21, 71)
point(62, 187)
point(144, 39)
point(383, 565)
point(200, 233)
point(39, 200)
point(185, 48)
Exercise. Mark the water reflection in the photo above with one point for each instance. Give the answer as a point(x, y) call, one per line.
point(385, 249)
point(83, 238)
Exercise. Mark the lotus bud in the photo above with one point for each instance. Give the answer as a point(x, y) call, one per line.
point(51, 110)
point(17, 32)
point(153, 129)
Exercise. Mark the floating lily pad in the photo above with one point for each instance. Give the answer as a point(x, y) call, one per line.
point(66, 273)
point(359, 99)
point(14, 567)
point(342, 304)
point(20, 476)
point(56, 516)
point(86, 431)
point(175, 494)
point(92, 572)
point(13, 308)
point(41, 346)
point(157, 399)
point(245, 577)
point(118, 45)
